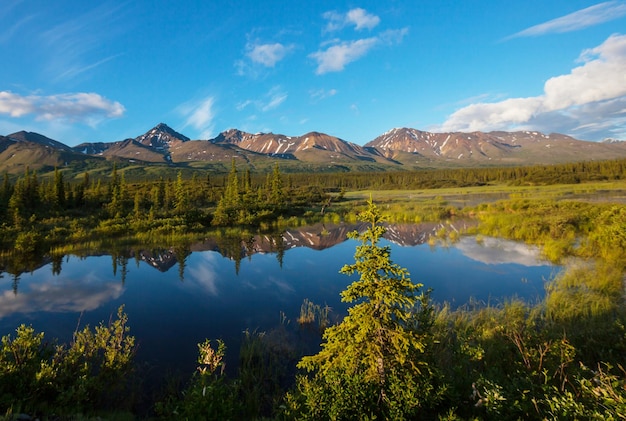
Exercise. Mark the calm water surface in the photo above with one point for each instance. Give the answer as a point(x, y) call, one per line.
point(217, 298)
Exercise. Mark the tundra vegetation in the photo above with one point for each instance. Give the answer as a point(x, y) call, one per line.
point(396, 355)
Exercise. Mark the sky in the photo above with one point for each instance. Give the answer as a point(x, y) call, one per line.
point(82, 71)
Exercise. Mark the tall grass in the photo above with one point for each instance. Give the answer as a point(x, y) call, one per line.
point(310, 313)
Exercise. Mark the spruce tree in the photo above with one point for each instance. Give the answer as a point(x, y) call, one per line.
point(58, 190)
point(372, 364)
point(181, 196)
point(276, 188)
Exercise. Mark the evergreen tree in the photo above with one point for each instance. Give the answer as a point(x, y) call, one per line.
point(276, 193)
point(181, 196)
point(5, 195)
point(372, 364)
point(115, 194)
point(17, 203)
point(85, 183)
point(231, 194)
point(249, 195)
point(25, 198)
point(229, 204)
point(137, 214)
point(59, 189)
point(158, 194)
point(114, 182)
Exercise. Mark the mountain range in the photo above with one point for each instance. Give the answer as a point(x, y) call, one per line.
point(398, 148)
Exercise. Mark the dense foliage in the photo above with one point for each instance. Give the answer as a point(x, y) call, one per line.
point(40, 215)
point(89, 374)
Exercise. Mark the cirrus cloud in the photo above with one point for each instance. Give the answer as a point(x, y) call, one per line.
point(88, 108)
point(199, 114)
point(270, 101)
point(587, 102)
point(593, 15)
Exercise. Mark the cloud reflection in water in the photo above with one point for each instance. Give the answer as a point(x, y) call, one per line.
point(495, 251)
point(60, 295)
point(204, 273)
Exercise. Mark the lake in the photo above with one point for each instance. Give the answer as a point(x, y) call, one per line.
point(219, 291)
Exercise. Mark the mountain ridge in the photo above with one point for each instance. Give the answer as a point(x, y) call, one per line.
point(397, 148)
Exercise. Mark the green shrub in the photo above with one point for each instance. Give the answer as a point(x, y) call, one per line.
point(27, 242)
point(88, 375)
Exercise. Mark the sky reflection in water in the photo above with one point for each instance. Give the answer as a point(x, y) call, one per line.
point(169, 316)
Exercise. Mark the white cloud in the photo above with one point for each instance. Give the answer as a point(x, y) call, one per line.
point(361, 19)
point(268, 54)
point(199, 115)
point(335, 20)
point(88, 108)
point(335, 58)
point(340, 53)
point(335, 54)
point(358, 17)
point(590, 99)
point(593, 15)
point(493, 116)
point(601, 77)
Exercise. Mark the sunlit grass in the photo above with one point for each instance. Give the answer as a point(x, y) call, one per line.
point(310, 313)
point(584, 290)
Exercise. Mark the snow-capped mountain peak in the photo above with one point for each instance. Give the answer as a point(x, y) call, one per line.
point(161, 137)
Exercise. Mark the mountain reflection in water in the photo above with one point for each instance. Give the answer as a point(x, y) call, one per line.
point(223, 286)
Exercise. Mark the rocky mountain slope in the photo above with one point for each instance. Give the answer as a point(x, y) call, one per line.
point(161, 137)
point(398, 148)
point(503, 147)
point(313, 146)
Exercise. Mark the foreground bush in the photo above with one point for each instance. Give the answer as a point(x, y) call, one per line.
point(90, 374)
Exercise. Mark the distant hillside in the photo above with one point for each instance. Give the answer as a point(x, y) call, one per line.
point(401, 148)
point(501, 148)
point(25, 149)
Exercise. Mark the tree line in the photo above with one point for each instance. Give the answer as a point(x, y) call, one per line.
point(238, 199)
point(571, 173)
point(240, 194)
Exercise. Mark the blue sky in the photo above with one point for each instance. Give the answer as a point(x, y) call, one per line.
point(83, 71)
